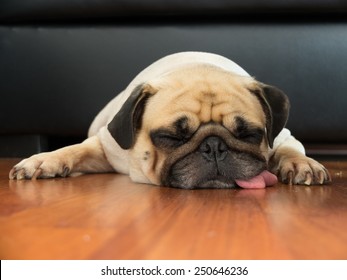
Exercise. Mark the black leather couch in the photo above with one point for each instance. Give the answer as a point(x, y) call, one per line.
point(61, 61)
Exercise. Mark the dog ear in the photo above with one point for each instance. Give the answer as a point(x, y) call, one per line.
point(276, 106)
point(128, 120)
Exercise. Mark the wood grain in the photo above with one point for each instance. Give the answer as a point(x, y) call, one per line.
point(106, 216)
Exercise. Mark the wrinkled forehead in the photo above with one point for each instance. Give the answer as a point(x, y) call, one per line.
point(203, 97)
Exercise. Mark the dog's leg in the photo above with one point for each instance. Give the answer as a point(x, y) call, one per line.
point(289, 162)
point(86, 157)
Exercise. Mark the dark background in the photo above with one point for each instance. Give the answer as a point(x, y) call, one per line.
point(62, 61)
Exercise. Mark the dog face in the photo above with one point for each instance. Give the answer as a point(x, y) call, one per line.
point(199, 127)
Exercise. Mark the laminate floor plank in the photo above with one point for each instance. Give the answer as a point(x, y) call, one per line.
point(106, 216)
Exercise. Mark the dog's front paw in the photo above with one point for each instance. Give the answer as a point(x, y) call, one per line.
point(44, 165)
point(301, 170)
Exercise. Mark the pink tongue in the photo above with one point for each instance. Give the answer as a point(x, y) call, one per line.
point(260, 181)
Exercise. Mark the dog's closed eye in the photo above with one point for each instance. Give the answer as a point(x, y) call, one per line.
point(174, 136)
point(165, 139)
point(253, 137)
point(248, 133)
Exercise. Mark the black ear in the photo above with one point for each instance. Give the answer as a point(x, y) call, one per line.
point(276, 107)
point(128, 120)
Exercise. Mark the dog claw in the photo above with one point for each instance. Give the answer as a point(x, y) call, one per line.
point(66, 171)
point(37, 173)
point(13, 173)
point(321, 178)
point(20, 174)
point(308, 180)
point(289, 179)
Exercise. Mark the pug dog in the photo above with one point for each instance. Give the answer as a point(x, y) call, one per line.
point(189, 120)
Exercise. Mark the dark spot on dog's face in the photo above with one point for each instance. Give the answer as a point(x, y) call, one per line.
point(146, 155)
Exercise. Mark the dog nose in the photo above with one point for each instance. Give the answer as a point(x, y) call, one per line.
point(213, 148)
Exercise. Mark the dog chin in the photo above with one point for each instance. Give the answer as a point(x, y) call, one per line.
point(219, 182)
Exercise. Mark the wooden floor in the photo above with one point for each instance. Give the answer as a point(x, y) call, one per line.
point(109, 217)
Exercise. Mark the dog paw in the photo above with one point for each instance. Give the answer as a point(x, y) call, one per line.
point(44, 165)
point(302, 171)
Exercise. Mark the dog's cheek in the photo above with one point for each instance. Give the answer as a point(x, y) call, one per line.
point(264, 149)
point(146, 161)
point(246, 165)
